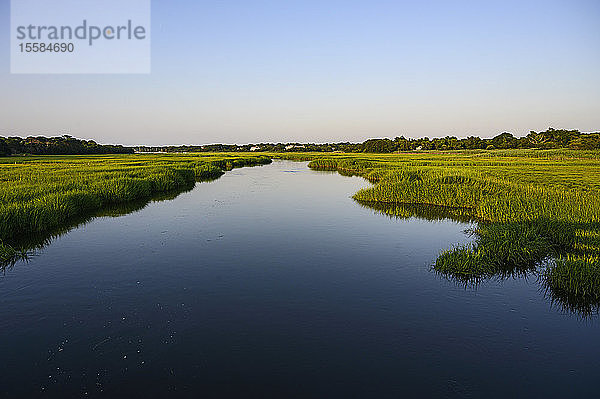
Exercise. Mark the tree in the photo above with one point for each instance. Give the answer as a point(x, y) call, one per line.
point(504, 140)
point(378, 146)
point(57, 145)
point(401, 144)
point(4, 149)
point(586, 142)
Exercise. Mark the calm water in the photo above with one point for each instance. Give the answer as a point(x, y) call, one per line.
point(273, 282)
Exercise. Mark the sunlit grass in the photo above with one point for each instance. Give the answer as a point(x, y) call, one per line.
point(38, 194)
point(532, 207)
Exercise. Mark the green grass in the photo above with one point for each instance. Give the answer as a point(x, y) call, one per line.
point(504, 250)
point(532, 206)
point(42, 193)
point(538, 211)
point(574, 282)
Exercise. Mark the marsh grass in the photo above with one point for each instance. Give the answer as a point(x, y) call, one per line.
point(42, 194)
point(208, 172)
point(574, 282)
point(504, 250)
point(533, 208)
point(32, 244)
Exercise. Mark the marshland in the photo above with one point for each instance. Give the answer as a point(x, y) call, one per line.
point(215, 269)
point(44, 193)
point(538, 211)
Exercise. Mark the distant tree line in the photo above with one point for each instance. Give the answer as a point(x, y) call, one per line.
point(64, 145)
point(551, 138)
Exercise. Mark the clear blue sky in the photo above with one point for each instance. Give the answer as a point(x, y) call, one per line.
point(252, 71)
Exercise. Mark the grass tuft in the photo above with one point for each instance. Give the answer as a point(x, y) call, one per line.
point(574, 281)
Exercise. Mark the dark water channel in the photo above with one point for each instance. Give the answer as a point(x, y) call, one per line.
point(273, 282)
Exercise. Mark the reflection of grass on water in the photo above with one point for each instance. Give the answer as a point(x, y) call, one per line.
point(537, 215)
point(25, 247)
point(42, 197)
point(420, 211)
point(505, 249)
point(574, 283)
point(10, 255)
point(555, 251)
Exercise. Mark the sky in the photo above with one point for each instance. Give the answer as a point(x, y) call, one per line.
point(327, 71)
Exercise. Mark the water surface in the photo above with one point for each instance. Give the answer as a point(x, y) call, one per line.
point(273, 282)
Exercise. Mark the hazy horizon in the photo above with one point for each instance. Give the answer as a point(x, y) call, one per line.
point(328, 71)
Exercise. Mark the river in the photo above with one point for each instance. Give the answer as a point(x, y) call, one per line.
point(272, 282)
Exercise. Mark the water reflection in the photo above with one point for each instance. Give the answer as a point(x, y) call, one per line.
point(420, 211)
point(470, 276)
point(501, 252)
point(26, 247)
point(271, 276)
point(571, 304)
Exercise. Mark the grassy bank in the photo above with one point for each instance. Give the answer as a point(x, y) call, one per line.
point(41, 193)
point(538, 211)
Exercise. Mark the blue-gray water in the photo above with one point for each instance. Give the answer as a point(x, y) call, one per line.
point(273, 282)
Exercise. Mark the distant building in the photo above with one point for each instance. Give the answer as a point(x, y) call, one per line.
point(292, 146)
point(254, 148)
